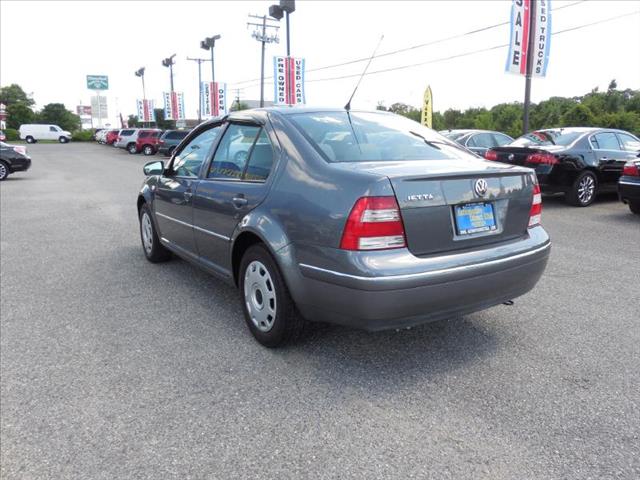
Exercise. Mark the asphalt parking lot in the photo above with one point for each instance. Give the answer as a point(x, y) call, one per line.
point(112, 367)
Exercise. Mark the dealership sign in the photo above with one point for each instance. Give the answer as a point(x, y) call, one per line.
point(214, 99)
point(145, 110)
point(288, 74)
point(173, 106)
point(522, 27)
point(97, 82)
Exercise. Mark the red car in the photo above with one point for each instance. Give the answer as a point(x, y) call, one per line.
point(147, 141)
point(112, 136)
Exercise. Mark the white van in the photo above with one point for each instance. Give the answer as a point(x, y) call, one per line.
point(32, 133)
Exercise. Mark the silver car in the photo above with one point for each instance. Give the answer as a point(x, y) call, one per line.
point(126, 138)
point(364, 219)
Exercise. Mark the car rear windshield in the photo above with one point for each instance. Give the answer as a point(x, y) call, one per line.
point(547, 137)
point(370, 137)
point(177, 135)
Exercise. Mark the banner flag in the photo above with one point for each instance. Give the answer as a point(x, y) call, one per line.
point(288, 74)
point(427, 108)
point(174, 106)
point(520, 33)
point(146, 111)
point(542, 43)
point(214, 99)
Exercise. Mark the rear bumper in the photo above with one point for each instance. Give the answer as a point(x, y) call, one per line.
point(437, 288)
point(629, 189)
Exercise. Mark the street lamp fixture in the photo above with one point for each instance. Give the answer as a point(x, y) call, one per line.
point(208, 44)
point(278, 11)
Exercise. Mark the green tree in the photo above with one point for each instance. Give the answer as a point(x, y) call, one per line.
point(57, 114)
point(161, 122)
point(507, 118)
point(237, 106)
point(133, 122)
point(19, 114)
point(13, 94)
point(578, 116)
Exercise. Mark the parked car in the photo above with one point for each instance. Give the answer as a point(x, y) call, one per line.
point(147, 142)
point(629, 185)
point(13, 158)
point(579, 162)
point(2, 136)
point(365, 219)
point(32, 132)
point(111, 137)
point(100, 136)
point(170, 139)
point(96, 131)
point(478, 141)
point(126, 138)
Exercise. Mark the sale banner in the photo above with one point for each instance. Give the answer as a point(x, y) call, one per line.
point(146, 110)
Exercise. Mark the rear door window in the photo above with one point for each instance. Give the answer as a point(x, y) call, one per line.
point(629, 142)
point(501, 139)
point(125, 133)
point(231, 156)
point(484, 140)
point(605, 141)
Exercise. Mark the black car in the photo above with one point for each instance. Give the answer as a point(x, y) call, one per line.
point(478, 141)
point(13, 158)
point(579, 162)
point(629, 185)
point(170, 140)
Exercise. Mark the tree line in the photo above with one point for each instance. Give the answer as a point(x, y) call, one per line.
point(611, 109)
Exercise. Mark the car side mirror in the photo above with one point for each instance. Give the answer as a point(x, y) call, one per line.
point(153, 168)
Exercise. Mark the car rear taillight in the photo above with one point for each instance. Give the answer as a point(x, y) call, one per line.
point(535, 214)
point(374, 224)
point(161, 141)
point(20, 150)
point(631, 169)
point(491, 155)
point(542, 159)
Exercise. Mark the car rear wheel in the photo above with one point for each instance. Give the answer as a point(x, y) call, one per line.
point(30, 139)
point(63, 139)
point(131, 148)
point(583, 191)
point(153, 249)
point(269, 311)
point(148, 150)
point(4, 170)
point(634, 207)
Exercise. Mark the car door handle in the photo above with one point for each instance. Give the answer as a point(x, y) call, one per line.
point(187, 196)
point(604, 158)
point(239, 201)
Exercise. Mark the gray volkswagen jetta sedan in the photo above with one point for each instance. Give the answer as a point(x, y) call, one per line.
point(365, 219)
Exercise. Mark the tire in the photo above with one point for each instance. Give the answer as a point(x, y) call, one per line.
point(583, 191)
point(132, 149)
point(63, 140)
point(148, 150)
point(269, 311)
point(153, 250)
point(634, 207)
point(4, 170)
point(30, 139)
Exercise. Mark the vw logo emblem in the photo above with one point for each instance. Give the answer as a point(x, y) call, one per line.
point(511, 156)
point(481, 187)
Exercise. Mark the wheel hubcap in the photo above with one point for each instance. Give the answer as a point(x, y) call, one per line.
point(147, 233)
point(260, 296)
point(3, 171)
point(586, 188)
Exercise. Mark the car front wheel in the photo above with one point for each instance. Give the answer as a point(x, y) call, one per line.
point(268, 308)
point(153, 249)
point(634, 207)
point(148, 150)
point(4, 171)
point(63, 139)
point(583, 191)
point(132, 148)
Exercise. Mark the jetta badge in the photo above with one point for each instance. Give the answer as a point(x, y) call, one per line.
point(481, 187)
point(419, 197)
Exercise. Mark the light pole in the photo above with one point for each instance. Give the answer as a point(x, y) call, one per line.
point(200, 62)
point(169, 62)
point(260, 34)
point(140, 73)
point(208, 44)
point(278, 11)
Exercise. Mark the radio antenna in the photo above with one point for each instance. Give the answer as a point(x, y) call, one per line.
point(347, 107)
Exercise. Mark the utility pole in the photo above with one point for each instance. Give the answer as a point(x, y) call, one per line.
point(200, 62)
point(530, 60)
point(260, 34)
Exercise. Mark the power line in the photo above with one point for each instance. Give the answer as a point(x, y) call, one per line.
point(412, 47)
point(495, 47)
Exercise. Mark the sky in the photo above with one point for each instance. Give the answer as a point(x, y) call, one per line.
point(49, 47)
